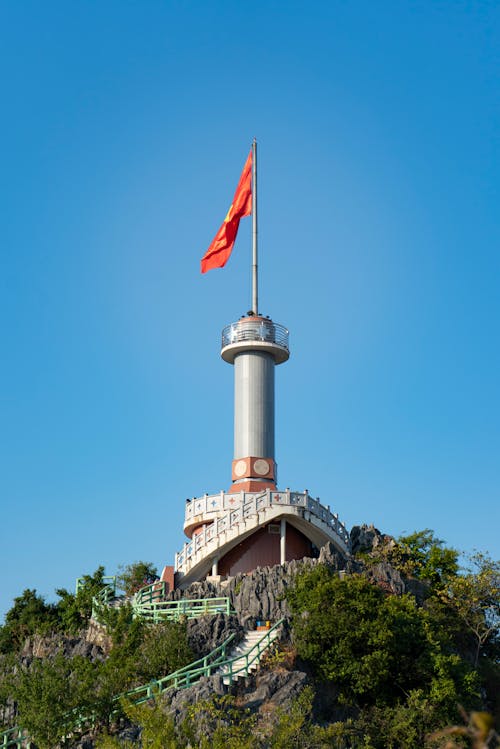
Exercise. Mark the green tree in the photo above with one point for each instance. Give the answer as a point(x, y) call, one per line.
point(8, 667)
point(165, 649)
point(475, 598)
point(218, 723)
point(28, 615)
point(404, 725)
point(375, 649)
point(215, 723)
point(424, 556)
point(49, 692)
point(75, 609)
point(135, 576)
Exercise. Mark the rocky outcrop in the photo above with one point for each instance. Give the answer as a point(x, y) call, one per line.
point(370, 542)
point(177, 701)
point(386, 577)
point(265, 691)
point(47, 646)
point(261, 595)
point(208, 632)
point(276, 687)
point(367, 538)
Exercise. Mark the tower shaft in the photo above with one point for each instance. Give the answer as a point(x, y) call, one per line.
point(254, 405)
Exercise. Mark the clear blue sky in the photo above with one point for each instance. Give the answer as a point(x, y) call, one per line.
point(124, 127)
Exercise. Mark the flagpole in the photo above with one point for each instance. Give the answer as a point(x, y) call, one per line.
point(255, 272)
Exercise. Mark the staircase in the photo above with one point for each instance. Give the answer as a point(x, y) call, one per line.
point(246, 656)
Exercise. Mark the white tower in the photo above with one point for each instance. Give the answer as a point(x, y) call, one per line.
point(254, 345)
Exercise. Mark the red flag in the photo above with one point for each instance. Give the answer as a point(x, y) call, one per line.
point(222, 245)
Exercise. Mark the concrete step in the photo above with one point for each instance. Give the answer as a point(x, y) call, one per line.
point(242, 649)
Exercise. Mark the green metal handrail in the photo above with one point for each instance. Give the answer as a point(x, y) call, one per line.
point(254, 654)
point(180, 679)
point(108, 581)
point(14, 737)
point(103, 598)
point(151, 593)
point(173, 610)
point(188, 675)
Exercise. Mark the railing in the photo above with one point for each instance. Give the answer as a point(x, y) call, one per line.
point(182, 678)
point(14, 737)
point(108, 581)
point(151, 593)
point(149, 604)
point(102, 599)
point(255, 330)
point(207, 666)
point(174, 610)
point(252, 655)
point(249, 505)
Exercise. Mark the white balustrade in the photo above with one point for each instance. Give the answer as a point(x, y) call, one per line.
point(249, 504)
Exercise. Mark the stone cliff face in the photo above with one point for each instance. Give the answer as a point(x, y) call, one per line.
point(209, 632)
point(261, 595)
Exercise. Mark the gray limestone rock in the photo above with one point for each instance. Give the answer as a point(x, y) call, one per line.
point(260, 595)
point(366, 538)
point(387, 577)
point(177, 701)
point(47, 646)
point(279, 687)
point(208, 632)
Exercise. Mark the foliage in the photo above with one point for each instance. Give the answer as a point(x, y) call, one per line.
point(164, 649)
point(31, 615)
point(211, 724)
point(120, 624)
point(423, 556)
point(295, 729)
point(218, 723)
point(377, 650)
point(135, 576)
point(475, 597)
point(28, 615)
point(8, 666)
point(399, 669)
point(403, 725)
point(75, 609)
point(49, 692)
point(478, 730)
